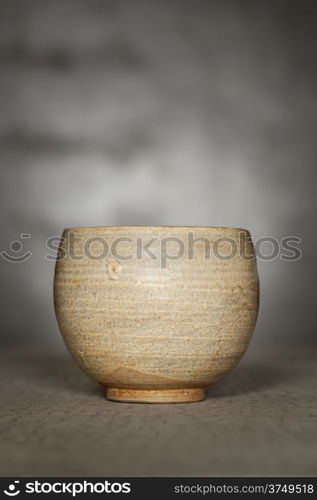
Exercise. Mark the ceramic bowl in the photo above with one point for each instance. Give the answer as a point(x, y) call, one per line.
point(156, 314)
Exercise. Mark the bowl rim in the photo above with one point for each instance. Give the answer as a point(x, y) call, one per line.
point(207, 228)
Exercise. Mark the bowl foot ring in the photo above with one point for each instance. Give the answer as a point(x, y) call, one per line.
point(156, 395)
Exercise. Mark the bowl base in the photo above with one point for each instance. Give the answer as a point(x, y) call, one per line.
point(155, 395)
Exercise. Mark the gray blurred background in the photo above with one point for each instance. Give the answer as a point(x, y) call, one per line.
point(169, 112)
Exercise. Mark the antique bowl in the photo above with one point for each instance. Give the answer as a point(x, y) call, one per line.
point(156, 314)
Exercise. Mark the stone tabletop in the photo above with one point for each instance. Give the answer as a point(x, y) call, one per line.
point(260, 420)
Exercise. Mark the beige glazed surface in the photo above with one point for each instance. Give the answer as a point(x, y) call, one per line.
point(156, 314)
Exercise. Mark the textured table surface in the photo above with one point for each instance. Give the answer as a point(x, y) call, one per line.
point(260, 420)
